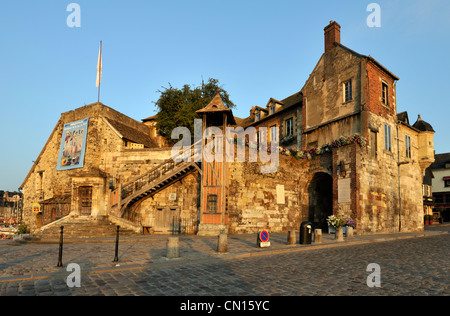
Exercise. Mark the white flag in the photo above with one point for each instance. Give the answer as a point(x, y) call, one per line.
point(99, 66)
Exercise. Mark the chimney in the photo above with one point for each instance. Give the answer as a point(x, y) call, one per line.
point(332, 35)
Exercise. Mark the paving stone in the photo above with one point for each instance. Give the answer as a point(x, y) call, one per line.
point(413, 266)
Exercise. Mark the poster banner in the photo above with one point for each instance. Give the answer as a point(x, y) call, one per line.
point(73, 145)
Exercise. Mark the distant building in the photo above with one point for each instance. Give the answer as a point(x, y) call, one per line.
point(441, 185)
point(10, 206)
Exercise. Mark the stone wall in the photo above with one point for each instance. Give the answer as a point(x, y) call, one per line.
point(379, 182)
point(271, 201)
point(323, 91)
point(179, 201)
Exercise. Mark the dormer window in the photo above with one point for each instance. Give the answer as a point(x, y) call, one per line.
point(257, 116)
point(272, 109)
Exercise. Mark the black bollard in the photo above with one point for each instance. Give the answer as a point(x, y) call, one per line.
point(116, 257)
point(60, 264)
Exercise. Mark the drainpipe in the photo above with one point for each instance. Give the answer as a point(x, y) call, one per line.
point(399, 188)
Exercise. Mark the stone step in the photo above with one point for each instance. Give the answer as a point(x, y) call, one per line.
point(84, 228)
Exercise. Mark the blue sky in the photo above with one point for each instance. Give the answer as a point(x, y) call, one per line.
point(257, 50)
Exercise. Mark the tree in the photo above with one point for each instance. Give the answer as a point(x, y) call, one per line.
point(177, 107)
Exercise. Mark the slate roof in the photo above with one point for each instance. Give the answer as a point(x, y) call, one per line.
point(132, 134)
point(64, 199)
point(423, 126)
point(216, 106)
point(295, 99)
point(403, 117)
point(440, 160)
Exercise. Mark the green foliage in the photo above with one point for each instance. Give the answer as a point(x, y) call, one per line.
point(177, 107)
point(22, 229)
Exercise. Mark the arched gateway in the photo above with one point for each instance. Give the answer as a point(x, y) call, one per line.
point(320, 191)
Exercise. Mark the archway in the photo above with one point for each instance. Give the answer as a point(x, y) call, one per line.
point(320, 193)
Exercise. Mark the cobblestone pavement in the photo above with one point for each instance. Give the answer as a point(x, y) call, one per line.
point(409, 266)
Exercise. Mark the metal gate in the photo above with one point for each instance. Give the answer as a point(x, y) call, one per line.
point(183, 226)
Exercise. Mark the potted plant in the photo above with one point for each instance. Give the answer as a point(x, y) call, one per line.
point(350, 223)
point(334, 223)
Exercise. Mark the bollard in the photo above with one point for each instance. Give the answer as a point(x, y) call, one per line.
point(349, 231)
point(339, 234)
point(222, 244)
point(60, 264)
point(292, 238)
point(318, 235)
point(116, 256)
point(173, 249)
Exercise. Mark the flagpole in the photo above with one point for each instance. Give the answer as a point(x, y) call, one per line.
point(101, 65)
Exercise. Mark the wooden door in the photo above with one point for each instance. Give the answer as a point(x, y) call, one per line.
point(85, 194)
point(167, 219)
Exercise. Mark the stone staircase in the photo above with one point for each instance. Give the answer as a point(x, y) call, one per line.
point(82, 228)
point(155, 180)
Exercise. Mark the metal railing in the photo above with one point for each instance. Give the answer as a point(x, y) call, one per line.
point(156, 173)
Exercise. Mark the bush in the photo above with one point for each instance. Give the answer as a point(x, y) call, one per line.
point(22, 229)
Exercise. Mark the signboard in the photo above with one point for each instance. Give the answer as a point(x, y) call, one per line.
point(73, 145)
point(344, 190)
point(280, 194)
point(263, 239)
point(36, 207)
point(15, 198)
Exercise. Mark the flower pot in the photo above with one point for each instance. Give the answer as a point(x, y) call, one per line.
point(331, 230)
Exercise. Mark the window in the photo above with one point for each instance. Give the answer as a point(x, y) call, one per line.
point(348, 94)
point(387, 138)
point(212, 203)
point(439, 199)
point(447, 183)
point(289, 127)
point(272, 109)
point(385, 93)
point(408, 146)
point(257, 116)
point(427, 191)
point(262, 135)
point(273, 133)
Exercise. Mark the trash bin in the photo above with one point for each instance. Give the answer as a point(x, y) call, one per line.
point(306, 233)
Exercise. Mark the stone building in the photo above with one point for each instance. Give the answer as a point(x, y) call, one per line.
point(117, 148)
point(346, 152)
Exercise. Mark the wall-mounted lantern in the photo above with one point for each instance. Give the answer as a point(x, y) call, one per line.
point(341, 169)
